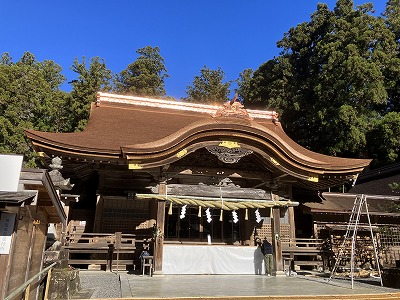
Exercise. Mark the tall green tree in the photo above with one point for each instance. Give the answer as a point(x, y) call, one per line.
point(384, 139)
point(208, 87)
point(330, 81)
point(392, 14)
point(30, 98)
point(392, 18)
point(145, 76)
point(91, 79)
point(244, 85)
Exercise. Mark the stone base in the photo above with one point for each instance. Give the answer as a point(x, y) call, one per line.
point(158, 273)
point(94, 267)
point(63, 283)
point(280, 273)
point(51, 256)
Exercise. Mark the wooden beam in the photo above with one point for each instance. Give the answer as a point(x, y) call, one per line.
point(217, 172)
point(276, 242)
point(159, 240)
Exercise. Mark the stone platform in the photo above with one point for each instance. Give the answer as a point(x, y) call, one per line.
point(303, 286)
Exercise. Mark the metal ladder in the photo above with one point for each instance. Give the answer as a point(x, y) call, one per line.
point(351, 235)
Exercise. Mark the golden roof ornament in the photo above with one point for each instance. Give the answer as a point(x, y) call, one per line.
point(233, 108)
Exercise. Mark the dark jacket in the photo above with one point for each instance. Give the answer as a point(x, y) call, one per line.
point(266, 247)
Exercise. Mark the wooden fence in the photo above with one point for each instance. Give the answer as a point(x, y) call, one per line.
point(110, 250)
point(304, 252)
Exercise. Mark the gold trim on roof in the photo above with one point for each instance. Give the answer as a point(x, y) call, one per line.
point(229, 144)
point(182, 153)
point(274, 161)
point(313, 178)
point(133, 166)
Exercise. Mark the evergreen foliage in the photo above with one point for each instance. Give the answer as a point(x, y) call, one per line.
point(90, 80)
point(208, 87)
point(335, 79)
point(145, 76)
point(244, 84)
point(30, 98)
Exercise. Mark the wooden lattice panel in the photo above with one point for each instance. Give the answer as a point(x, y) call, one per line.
point(285, 231)
point(390, 236)
point(124, 215)
point(265, 231)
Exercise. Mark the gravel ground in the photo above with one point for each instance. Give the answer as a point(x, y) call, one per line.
point(99, 285)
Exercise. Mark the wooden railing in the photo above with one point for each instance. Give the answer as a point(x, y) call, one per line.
point(26, 286)
point(301, 244)
point(104, 248)
point(304, 251)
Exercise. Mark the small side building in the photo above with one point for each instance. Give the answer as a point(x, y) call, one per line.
point(25, 215)
point(329, 215)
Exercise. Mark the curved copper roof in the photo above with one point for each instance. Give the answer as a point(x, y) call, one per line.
point(152, 132)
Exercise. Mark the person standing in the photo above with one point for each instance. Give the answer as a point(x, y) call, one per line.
point(268, 251)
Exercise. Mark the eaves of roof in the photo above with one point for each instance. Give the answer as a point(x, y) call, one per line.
point(155, 132)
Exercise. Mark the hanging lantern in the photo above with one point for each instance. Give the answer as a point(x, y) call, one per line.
point(246, 216)
point(199, 214)
point(170, 208)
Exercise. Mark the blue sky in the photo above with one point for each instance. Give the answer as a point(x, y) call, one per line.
point(234, 35)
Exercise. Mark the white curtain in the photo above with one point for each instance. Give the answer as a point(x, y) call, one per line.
point(212, 259)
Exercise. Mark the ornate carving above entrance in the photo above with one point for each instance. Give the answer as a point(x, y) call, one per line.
point(225, 190)
point(228, 155)
point(233, 108)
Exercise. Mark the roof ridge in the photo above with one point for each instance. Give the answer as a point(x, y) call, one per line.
point(381, 172)
point(177, 105)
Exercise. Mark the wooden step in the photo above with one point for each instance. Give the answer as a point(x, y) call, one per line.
point(308, 263)
point(100, 262)
point(122, 251)
point(296, 250)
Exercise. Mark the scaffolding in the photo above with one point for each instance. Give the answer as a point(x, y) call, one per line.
point(351, 236)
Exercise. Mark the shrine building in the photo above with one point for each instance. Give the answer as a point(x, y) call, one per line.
point(201, 181)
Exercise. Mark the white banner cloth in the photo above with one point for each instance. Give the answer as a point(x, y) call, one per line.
point(212, 259)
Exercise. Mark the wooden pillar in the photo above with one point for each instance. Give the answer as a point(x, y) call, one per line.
point(159, 240)
point(98, 213)
point(27, 255)
point(6, 259)
point(153, 208)
point(4, 265)
point(19, 263)
point(38, 247)
point(292, 229)
point(276, 242)
point(292, 232)
point(292, 223)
